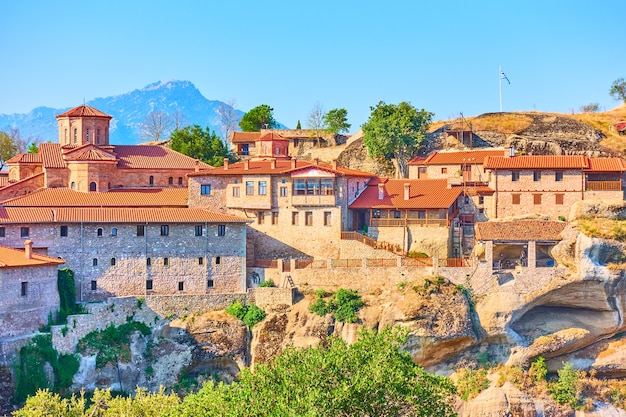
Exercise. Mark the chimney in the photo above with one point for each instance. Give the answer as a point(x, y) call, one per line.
point(246, 164)
point(334, 165)
point(407, 187)
point(508, 153)
point(316, 161)
point(28, 249)
point(197, 167)
point(293, 163)
point(226, 164)
point(273, 164)
point(381, 191)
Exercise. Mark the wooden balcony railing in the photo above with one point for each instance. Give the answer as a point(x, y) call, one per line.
point(604, 185)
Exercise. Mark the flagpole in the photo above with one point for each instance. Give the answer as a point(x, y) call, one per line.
point(500, 78)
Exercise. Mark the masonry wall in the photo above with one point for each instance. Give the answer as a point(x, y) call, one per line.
point(24, 314)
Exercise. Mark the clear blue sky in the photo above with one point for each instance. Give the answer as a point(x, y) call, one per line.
point(442, 56)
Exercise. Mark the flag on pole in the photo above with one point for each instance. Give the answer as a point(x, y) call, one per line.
point(503, 76)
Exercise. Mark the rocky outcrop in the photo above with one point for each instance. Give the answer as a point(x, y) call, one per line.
point(506, 400)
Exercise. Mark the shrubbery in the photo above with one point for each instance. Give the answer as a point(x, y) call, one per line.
point(249, 314)
point(344, 305)
point(111, 344)
point(471, 383)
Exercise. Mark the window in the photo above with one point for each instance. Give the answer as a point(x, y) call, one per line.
point(221, 230)
point(210, 283)
point(312, 186)
point(558, 176)
point(481, 210)
point(376, 214)
point(141, 230)
point(481, 199)
point(299, 186)
point(536, 198)
point(165, 230)
point(559, 198)
point(537, 176)
point(249, 187)
point(205, 189)
point(260, 216)
point(94, 285)
point(514, 176)
point(180, 180)
point(24, 231)
point(235, 191)
point(94, 262)
point(308, 218)
point(148, 261)
point(73, 185)
point(24, 289)
point(262, 187)
point(114, 231)
point(66, 138)
point(421, 214)
point(63, 231)
point(99, 232)
point(218, 260)
point(274, 217)
point(198, 230)
point(516, 198)
point(151, 180)
point(283, 191)
point(113, 261)
point(170, 181)
point(92, 186)
point(166, 261)
point(444, 170)
point(200, 260)
point(327, 186)
point(3, 232)
point(75, 135)
point(397, 214)
point(328, 218)
point(148, 284)
point(98, 136)
point(87, 135)
point(181, 285)
point(294, 218)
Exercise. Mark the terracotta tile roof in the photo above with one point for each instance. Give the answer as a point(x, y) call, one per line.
point(521, 230)
point(272, 136)
point(21, 215)
point(154, 157)
point(244, 137)
point(25, 158)
point(606, 165)
point(4, 181)
point(89, 152)
point(51, 155)
point(620, 126)
point(31, 179)
point(64, 197)
point(264, 167)
point(84, 111)
point(536, 162)
point(12, 258)
point(457, 157)
point(423, 194)
point(479, 190)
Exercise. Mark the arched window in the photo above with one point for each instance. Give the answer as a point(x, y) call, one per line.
point(87, 135)
point(73, 185)
point(112, 261)
point(148, 261)
point(170, 181)
point(99, 232)
point(92, 186)
point(114, 231)
point(94, 262)
point(75, 135)
point(180, 180)
point(151, 181)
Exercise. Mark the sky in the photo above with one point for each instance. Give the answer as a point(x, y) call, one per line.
point(442, 56)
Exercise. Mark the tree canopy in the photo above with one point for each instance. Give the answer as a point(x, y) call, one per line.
point(336, 121)
point(198, 143)
point(396, 131)
point(618, 89)
point(8, 148)
point(258, 118)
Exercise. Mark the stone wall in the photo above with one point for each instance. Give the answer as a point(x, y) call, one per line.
point(269, 297)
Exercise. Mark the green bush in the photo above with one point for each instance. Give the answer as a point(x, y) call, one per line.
point(267, 284)
point(538, 369)
point(564, 391)
point(319, 307)
point(344, 305)
point(320, 293)
point(249, 314)
point(111, 344)
point(471, 383)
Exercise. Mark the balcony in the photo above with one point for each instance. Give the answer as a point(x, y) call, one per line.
point(314, 200)
point(604, 185)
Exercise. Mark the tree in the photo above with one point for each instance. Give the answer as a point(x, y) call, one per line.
point(228, 118)
point(618, 89)
point(156, 126)
point(315, 120)
point(32, 148)
point(336, 121)
point(8, 148)
point(260, 117)
point(590, 108)
point(396, 131)
point(298, 126)
point(372, 377)
point(200, 144)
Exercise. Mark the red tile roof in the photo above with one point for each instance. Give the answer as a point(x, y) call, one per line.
point(282, 167)
point(606, 165)
point(12, 258)
point(620, 126)
point(22, 215)
point(89, 152)
point(244, 137)
point(84, 111)
point(479, 190)
point(423, 194)
point(51, 155)
point(272, 136)
point(536, 162)
point(457, 157)
point(521, 230)
point(25, 158)
point(64, 197)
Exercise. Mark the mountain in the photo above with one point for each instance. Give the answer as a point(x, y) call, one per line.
point(128, 110)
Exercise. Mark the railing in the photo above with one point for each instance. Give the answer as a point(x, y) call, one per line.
point(262, 263)
point(381, 262)
point(359, 263)
point(455, 262)
point(311, 264)
point(406, 222)
point(346, 263)
point(417, 262)
point(314, 200)
point(604, 185)
point(359, 237)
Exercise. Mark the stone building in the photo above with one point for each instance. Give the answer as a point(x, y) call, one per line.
point(28, 290)
point(83, 160)
point(296, 208)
